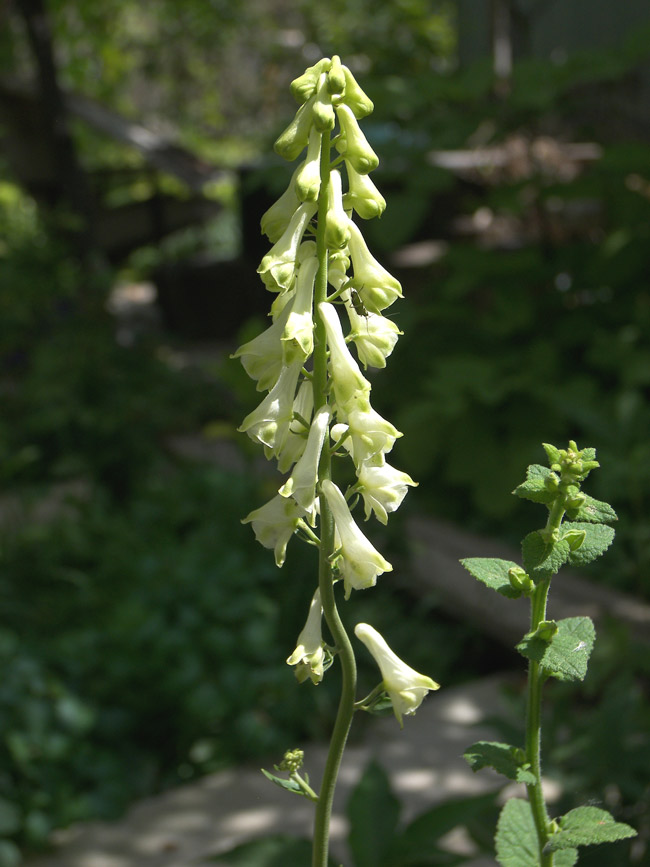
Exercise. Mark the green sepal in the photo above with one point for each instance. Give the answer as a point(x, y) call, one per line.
point(594, 511)
point(504, 758)
point(289, 785)
point(587, 826)
point(566, 655)
point(598, 538)
point(516, 838)
point(493, 572)
point(535, 488)
point(543, 557)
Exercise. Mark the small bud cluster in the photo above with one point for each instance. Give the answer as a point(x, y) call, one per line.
point(313, 235)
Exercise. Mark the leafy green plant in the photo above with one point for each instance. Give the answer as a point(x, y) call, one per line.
point(526, 835)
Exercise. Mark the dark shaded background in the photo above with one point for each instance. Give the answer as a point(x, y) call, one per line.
point(141, 628)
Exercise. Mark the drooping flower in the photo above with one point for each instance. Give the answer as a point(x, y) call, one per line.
point(360, 562)
point(269, 423)
point(363, 195)
point(352, 143)
point(406, 687)
point(296, 441)
point(301, 485)
point(355, 97)
point(307, 178)
point(261, 357)
point(348, 382)
point(274, 524)
point(383, 488)
point(275, 219)
point(277, 269)
point(309, 655)
point(373, 335)
point(337, 222)
point(293, 140)
point(371, 435)
point(378, 287)
point(298, 334)
point(304, 87)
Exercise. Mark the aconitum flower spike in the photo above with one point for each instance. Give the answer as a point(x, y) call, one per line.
point(360, 562)
point(406, 687)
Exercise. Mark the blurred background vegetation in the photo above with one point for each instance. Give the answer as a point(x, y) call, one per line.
point(143, 632)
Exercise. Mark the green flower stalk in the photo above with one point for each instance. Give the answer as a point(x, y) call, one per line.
point(317, 409)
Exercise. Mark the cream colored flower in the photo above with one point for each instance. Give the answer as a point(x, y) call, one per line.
point(352, 143)
point(298, 335)
point(378, 287)
point(383, 488)
point(261, 357)
point(363, 195)
point(307, 178)
point(373, 335)
point(274, 524)
point(309, 655)
point(360, 562)
point(269, 423)
point(350, 385)
point(301, 485)
point(406, 687)
point(277, 268)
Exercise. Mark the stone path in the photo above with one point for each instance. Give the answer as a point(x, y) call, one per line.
point(180, 827)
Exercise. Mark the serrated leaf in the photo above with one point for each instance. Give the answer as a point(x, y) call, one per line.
point(516, 837)
point(588, 454)
point(566, 655)
point(534, 488)
point(594, 511)
point(289, 785)
point(492, 572)
point(417, 844)
point(598, 538)
point(373, 811)
point(565, 858)
point(543, 558)
point(587, 826)
point(501, 757)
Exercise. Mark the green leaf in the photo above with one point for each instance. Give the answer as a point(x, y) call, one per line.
point(493, 573)
point(598, 538)
point(594, 511)
point(501, 757)
point(420, 839)
point(586, 826)
point(542, 557)
point(534, 488)
point(516, 837)
point(566, 655)
point(289, 785)
point(275, 851)
point(373, 811)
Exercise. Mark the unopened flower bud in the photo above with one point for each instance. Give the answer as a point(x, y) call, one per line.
point(545, 630)
point(307, 179)
point(337, 226)
point(352, 143)
point(355, 97)
point(305, 85)
point(520, 580)
point(363, 195)
point(323, 110)
point(336, 76)
point(293, 140)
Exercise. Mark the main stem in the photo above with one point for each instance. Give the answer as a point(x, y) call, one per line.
point(345, 712)
point(534, 728)
point(536, 678)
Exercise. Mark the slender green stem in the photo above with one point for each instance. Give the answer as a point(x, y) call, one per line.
point(534, 727)
point(345, 712)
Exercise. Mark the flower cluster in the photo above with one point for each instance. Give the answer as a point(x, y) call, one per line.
point(317, 243)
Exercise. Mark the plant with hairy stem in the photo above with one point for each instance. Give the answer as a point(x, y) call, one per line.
point(317, 410)
point(576, 532)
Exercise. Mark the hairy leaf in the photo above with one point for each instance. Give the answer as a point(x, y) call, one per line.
point(516, 838)
point(543, 558)
point(566, 655)
point(493, 573)
point(598, 538)
point(501, 757)
point(587, 826)
point(534, 488)
point(594, 511)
